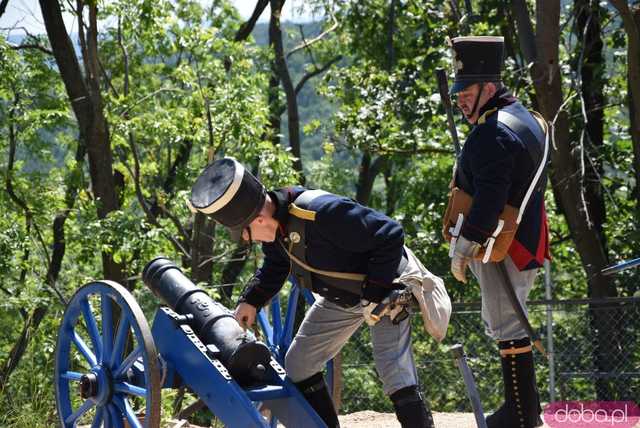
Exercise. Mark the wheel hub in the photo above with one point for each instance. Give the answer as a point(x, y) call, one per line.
point(97, 385)
point(88, 386)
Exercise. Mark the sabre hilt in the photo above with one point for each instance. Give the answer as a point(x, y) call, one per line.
point(402, 298)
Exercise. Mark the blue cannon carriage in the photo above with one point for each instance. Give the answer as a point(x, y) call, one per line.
point(110, 367)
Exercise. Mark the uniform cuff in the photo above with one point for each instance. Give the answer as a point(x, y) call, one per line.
point(474, 234)
point(374, 292)
point(253, 300)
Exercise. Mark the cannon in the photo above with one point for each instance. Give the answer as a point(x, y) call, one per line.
point(214, 324)
point(110, 366)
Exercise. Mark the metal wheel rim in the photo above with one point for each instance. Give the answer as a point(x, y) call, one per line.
point(104, 357)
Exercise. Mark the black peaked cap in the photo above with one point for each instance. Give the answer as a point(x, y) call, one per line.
point(229, 193)
point(476, 59)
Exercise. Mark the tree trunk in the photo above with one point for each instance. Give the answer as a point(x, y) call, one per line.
point(565, 173)
point(275, 34)
point(367, 175)
point(588, 18)
point(589, 66)
point(201, 248)
point(631, 23)
point(369, 169)
point(232, 269)
point(86, 101)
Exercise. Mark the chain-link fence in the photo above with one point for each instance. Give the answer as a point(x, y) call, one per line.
point(593, 353)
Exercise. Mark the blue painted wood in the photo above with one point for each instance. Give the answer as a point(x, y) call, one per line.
point(210, 380)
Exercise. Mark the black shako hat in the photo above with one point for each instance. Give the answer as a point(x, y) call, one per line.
point(476, 59)
point(229, 193)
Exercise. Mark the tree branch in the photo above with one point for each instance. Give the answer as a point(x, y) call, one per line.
point(316, 39)
point(125, 57)
point(150, 216)
point(275, 33)
point(30, 325)
point(316, 72)
point(525, 30)
point(32, 46)
point(3, 6)
point(416, 151)
point(246, 28)
point(124, 112)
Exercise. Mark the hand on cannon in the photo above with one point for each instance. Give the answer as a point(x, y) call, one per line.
point(245, 315)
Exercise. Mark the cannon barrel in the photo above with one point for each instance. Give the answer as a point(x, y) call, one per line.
point(214, 324)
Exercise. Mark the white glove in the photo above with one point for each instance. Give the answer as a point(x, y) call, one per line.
point(463, 253)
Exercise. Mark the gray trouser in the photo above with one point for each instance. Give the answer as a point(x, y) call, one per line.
point(500, 319)
point(326, 329)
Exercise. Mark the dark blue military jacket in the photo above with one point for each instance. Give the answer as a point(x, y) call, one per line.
point(345, 237)
point(496, 168)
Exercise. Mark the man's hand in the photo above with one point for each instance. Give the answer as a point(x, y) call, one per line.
point(245, 315)
point(396, 306)
point(463, 253)
point(367, 309)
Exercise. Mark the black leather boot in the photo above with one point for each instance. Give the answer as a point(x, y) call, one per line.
point(315, 391)
point(411, 410)
point(521, 408)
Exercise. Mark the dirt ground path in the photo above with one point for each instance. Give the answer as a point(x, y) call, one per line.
point(369, 419)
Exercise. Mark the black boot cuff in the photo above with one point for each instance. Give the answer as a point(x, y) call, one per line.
point(515, 343)
point(312, 384)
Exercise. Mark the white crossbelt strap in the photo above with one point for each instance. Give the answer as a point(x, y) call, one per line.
point(543, 162)
point(491, 241)
point(455, 232)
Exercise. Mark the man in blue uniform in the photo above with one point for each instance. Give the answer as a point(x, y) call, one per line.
point(502, 162)
point(353, 257)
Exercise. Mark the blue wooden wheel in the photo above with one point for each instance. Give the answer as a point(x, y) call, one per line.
point(106, 366)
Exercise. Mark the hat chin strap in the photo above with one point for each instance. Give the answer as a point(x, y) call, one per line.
point(475, 104)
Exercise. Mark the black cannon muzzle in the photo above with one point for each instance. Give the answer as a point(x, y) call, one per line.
point(244, 357)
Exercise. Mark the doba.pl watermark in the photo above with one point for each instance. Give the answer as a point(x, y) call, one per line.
point(592, 414)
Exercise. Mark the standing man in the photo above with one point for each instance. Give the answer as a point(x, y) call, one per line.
point(353, 257)
point(500, 167)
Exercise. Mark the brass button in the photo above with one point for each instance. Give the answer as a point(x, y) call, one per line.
point(295, 237)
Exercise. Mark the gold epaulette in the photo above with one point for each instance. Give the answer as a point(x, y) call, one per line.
point(482, 119)
point(302, 213)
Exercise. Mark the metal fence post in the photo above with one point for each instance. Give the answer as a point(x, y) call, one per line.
point(548, 295)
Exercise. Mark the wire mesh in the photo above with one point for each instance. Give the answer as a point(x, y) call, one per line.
point(595, 356)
